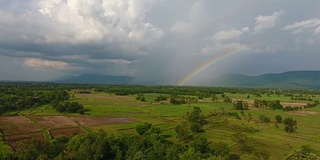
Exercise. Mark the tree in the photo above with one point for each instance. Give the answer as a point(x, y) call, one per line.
point(183, 132)
point(201, 145)
point(306, 152)
point(261, 155)
point(196, 116)
point(2, 109)
point(242, 142)
point(227, 99)
point(214, 98)
point(58, 145)
point(200, 96)
point(278, 118)
point(190, 154)
point(257, 103)
point(275, 105)
point(196, 119)
point(70, 107)
point(249, 117)
point(143, 128)
point(32, 148)
point(174, 151)
point(233, 157)
point(196, 127)
point(161, 98)
point(92, 146)
point(220, 149)
point(155, 130)
point(177, 100)
point(240, 105)
point(264, 119)
point(290, 125)
point(5, 150)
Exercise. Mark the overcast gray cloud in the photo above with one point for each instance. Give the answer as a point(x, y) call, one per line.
point(157, 41)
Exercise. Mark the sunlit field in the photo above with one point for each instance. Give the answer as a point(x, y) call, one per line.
point(270, 137)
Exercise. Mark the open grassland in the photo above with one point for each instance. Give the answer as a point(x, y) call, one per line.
point(271, 97)
point(43, 110)
point(166, 116)
point(270, 137)
point(121, 114)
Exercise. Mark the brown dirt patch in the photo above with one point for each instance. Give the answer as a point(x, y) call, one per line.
point(51, 122)
point(17, 124)
point(284, 104)
point(100, 121)
point(105, 97)
point(293, 104)
point(14, 140)
point(249, 101)
point(302, 113)
point(68, 132)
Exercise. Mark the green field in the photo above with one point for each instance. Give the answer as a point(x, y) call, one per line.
point(166, 116)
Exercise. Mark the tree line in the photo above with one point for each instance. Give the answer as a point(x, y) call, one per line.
point(15, 99)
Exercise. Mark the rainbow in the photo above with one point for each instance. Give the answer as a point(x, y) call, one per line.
point(208, 63)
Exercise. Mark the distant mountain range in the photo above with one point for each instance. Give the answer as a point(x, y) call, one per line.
point(94, 79)
point(292, 79)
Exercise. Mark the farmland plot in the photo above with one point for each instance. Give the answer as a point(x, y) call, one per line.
point(68, 132)
point(17, 125)
point(51, 122)
point(100, 121)
point(13, 140)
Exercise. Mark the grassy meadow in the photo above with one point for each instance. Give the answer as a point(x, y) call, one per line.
point(270, 137)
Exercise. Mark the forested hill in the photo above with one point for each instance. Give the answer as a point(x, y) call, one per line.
point(292, 79)
point(96, 79)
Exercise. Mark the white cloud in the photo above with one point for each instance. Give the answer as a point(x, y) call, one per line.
point(121, 21)
point(196, 12)
point(223, 42)
point(45, 64)
point(245, 29)
point(195, 21)
point(179, 27)
point(114, 61)
point(298, 27)
point(317, 31)
point(266, 22)
point(147, 31)
point(227, 35)
point(310, 41)
point(218, 48)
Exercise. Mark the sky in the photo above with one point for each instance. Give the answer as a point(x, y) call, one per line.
point(183, 42)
